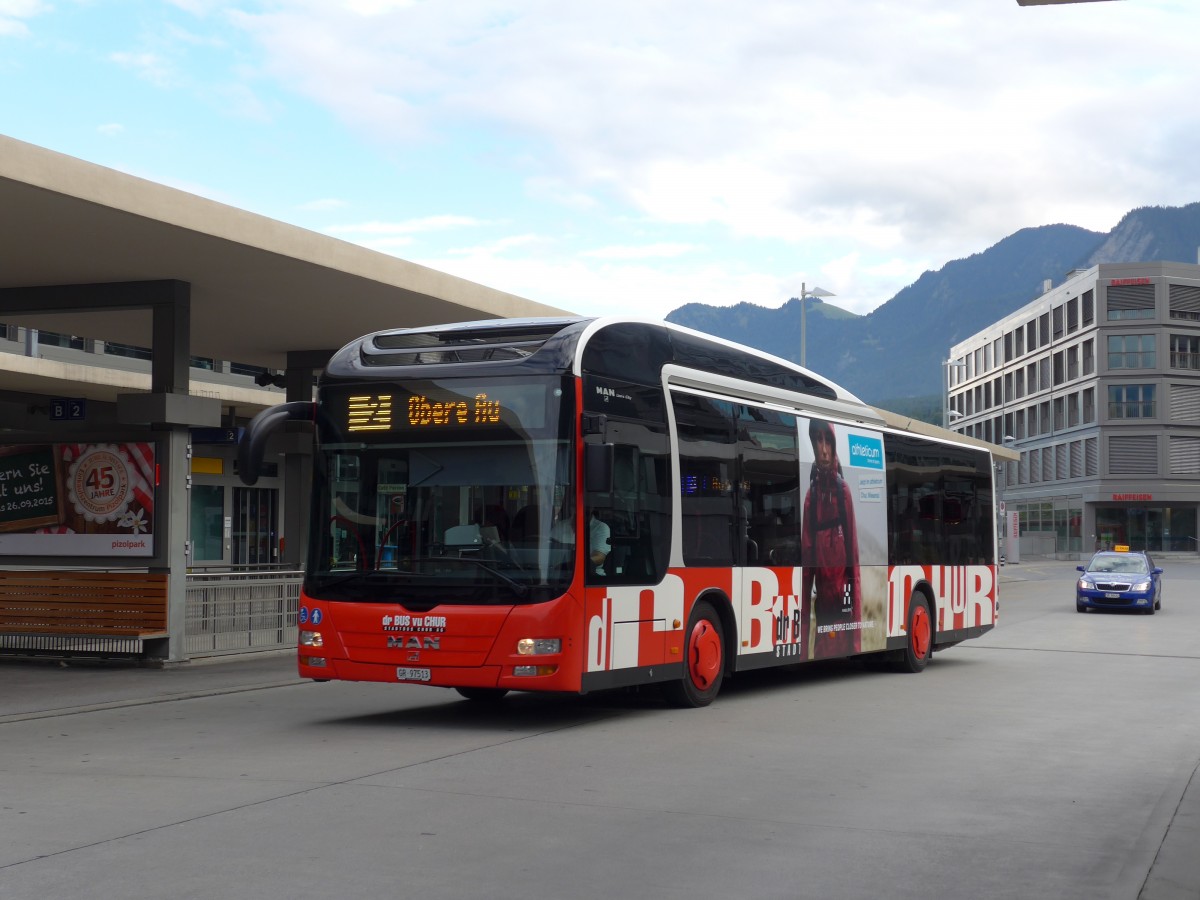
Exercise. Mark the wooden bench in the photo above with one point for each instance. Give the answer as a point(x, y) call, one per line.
point(91, 614)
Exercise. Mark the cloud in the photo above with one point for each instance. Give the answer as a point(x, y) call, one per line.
point(920, 131)
point(592, 287)
point(13, 14)
point(153, 67)
point(641, 251)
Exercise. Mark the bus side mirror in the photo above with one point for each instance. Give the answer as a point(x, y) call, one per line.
point(598, 468)
point(253, 444)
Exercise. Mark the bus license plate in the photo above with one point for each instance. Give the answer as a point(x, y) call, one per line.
point(1112, 596)
point(405, 674)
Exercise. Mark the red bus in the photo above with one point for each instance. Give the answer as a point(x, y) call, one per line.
point(582, 504)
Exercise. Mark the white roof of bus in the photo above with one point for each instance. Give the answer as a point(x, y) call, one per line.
point(842, 394)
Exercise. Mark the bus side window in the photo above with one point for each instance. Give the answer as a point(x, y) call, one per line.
point(637, 510)
point(707, 464)
point(770, 486)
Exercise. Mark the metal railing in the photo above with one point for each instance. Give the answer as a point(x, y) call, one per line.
point(233, 612)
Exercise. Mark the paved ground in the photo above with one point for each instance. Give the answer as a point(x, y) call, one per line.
point(234, 778)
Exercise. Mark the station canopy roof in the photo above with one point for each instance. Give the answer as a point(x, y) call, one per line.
point(259, 288)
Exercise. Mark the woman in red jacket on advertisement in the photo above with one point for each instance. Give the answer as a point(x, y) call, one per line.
point(829, 550)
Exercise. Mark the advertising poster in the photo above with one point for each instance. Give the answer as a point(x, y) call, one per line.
point(77, 499)
point(843, 537)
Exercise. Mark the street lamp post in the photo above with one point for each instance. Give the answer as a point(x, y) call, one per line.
point(1002, 496)
point(805, 293)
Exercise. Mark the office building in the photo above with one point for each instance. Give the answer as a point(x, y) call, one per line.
point(1097, 384)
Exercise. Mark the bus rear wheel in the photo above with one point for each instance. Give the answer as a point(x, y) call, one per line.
point(481, 694)
point(703, 660)
point(920, 635)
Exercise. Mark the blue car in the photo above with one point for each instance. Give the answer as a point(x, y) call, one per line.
point(1119, 580)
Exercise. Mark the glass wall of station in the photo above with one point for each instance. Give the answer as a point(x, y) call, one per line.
point(232, 526)
point(1056, 525)
point(1152, 528)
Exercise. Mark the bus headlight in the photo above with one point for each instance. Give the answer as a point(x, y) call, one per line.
point(538, 646)
point(311, 639)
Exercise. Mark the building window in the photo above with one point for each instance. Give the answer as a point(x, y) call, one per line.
point(1185, 302)
point(1185, 402)
point(54, 339)
point(112, 348)
point(1089, 406)
point(1155, 528)
point(255, 537)
point(1073, 314)
point(1089, 357)
point(1133, 454)
point(1130, 301)
point(207, 522)
point(1184, 454)
point(1089, 308)
point(1131, 351)
point(1185, 351)
point(1131, 401)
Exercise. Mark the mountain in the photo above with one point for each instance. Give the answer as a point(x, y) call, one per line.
point(892, 356)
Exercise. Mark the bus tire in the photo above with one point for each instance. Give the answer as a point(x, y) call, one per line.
point(919, 646)
point(703, 660)
point(482, 694)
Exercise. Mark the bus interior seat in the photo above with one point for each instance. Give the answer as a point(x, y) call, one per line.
point(525, 527)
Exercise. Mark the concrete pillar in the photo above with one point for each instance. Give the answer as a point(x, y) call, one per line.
point(172, 524)
point(297, 459)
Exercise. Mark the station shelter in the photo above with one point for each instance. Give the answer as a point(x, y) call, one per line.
point(141, 327)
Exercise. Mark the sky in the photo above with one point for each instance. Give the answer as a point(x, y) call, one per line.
point(630, 156)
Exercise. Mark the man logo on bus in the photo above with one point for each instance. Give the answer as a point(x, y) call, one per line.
point(829, 550)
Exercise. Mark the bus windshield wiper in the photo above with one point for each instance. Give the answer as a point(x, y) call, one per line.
point(519, 589)
point(368, 574)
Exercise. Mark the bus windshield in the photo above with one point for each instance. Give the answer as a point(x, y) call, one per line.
point(426, 512)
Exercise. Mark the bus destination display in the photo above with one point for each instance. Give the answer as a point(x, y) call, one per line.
point(429, 407)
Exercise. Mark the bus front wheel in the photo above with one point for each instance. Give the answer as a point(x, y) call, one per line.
point(919, 647)
point(703, 660)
